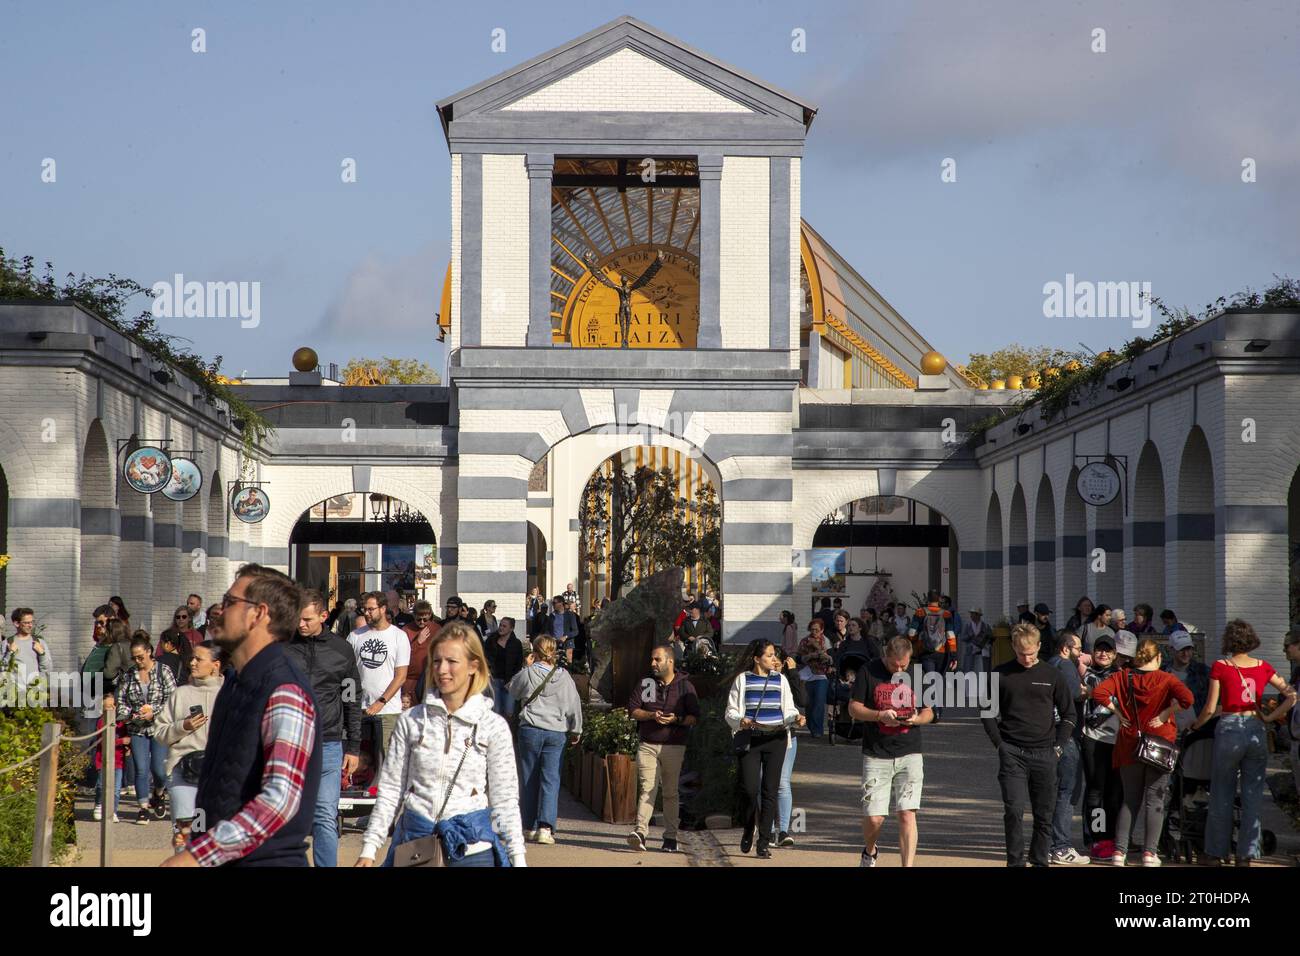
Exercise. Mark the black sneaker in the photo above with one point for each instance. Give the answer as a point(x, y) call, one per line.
point(747, 840)
point(636, 841)
point(784, 839)
point(763, 852)
point(670, 846)
point(142, 818)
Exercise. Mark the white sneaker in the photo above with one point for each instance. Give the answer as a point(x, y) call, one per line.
point(545, 837)
point(531, 837)
point(115, 819)
point(1150, 859)
point(868, 861)
point(1069, 856)
point(97, 813)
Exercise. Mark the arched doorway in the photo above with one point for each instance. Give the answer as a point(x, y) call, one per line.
point(1148, 530)
point(1044, 556)
point(1107, 569)
point(1074, 547)
point(994, 597)
point(1193, 594)
point(881, 549)
point(354, 542)
point(99, 543)
point(1018, 549)
point(643, 509)
point(537, 561)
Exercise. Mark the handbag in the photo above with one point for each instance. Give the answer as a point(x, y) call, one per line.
point(741, 740)
point(191, 767)
point(1152, 750)
point(427, 850)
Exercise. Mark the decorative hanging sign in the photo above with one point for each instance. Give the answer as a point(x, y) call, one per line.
point(147, 469)
point(249, 503)
point(186, 480)
point(1098, 483)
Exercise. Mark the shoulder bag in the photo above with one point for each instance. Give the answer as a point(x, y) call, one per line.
point(427, 850)
point(519, 711)
point(1152, 750)
point(741, 740)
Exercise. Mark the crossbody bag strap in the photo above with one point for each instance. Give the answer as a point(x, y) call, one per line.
point(761, 695)
point(540, 687)
point(446, 798)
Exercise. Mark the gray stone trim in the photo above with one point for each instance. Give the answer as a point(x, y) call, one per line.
point(491, 532)
point(779, 252)
point(540, 167)
point(239, 550)
point(721, 447)
point(687, 400)
point(710, 330)
point(757, 582)
point(361, 478)
point(191, 540)
point(45, 512)
point(594, 364)
point(274, 557)
point(1147, 534)
point(494, 488)
point(626, 136)
point(166, 535)
point(218, 545)
point(575, 524)
point(1044, 551)
point(471, 249)
point(627, 403)
point(1074, 546)
point(993, 560)
point(755, 533)
point(758, 489)
point(101, 521)
point(1253, 519)
point(812, 356)
point(575, 415)
point(550, 556)
point(971, 560)
point(1190, 527)
point(137, 528)
point(1017, 555)
point(528, 444)
point(491, 582)
point(446, 556)
point(1109, 539)
point(742, 633)
point(541, 502)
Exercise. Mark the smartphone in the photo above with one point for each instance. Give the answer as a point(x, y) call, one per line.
point(196, 710)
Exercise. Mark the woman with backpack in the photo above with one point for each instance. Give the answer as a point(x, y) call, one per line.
point(183, 728)
point(549, 708)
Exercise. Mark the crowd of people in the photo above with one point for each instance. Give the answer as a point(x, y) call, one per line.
point(248, 716)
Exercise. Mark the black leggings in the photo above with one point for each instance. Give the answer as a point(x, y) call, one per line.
point(760, 773)
point(1103, 793)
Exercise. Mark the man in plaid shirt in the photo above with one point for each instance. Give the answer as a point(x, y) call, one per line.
point(262, 765)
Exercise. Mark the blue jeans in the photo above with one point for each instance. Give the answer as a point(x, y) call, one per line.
point(150, 754)
point(117, 787)
point(817, 691)
point(784, 798)
point(325, 820)
point(540, 752)
point(502, 702)
point(1239, 748)
point(1067, 775)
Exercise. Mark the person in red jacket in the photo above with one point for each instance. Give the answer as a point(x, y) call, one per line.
point(1146, 698)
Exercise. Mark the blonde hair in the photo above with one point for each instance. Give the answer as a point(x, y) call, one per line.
point(544, 648)
point(464, 632)
point(1024, 635)
point(1148, 650)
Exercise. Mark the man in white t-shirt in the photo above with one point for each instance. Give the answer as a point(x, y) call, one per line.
point(383, 653)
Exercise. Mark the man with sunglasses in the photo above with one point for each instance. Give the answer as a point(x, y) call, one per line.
point(262, 764)
point(420, 632)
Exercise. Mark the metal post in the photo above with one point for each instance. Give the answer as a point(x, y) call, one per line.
point(46, 786)
point(107, 750)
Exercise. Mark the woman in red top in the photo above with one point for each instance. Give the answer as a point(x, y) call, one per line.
point(1237, 684)
point(1146, 698)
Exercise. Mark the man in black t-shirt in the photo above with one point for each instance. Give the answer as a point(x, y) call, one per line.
point(892, 773)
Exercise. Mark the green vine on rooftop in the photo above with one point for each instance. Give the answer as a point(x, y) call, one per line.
point(108, 299)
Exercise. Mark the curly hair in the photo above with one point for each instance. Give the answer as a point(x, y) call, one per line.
point(1239, 637)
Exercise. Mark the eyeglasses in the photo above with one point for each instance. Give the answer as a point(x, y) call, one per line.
point(424, 618)
point(181, 617)
point(230, 599)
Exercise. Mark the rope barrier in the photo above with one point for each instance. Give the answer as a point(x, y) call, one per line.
point(49, 746)
point(23, 763)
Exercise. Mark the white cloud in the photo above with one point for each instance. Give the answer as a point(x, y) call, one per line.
point(390, 297)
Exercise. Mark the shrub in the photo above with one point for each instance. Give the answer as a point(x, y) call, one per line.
point(20, 737)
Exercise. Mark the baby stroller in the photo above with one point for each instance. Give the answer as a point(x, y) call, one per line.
point(839, 695)
point(357, 794)
point(1183, 839)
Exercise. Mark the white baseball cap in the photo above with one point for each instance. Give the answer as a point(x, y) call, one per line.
point(1180, 640)
point(1126, 643)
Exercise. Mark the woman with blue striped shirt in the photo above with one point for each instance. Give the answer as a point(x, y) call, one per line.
point(761, 706)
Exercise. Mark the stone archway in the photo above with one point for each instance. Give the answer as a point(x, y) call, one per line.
point(100, 531)
point(1044, 547)
point(1193, 595)
point(1018, 550)
point(995, 599)
point(1147, 530)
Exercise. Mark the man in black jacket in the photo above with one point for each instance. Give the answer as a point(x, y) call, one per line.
point(563, 626)
point(328, 662)
point(1031, 696)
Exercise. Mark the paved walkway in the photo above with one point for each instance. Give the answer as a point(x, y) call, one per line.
point(960, 820)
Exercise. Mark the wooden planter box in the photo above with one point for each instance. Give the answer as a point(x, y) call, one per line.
point(595, 784)
point(583, 683)
point(620, 789)
point(585, 764)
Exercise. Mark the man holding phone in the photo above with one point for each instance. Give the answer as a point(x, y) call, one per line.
point(665, 708)
point(892, 771)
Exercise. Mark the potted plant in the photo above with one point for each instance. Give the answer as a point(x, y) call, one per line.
point(610, 743)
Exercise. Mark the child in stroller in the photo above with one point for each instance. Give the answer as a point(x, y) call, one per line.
point(357, 793)
point(847, 666)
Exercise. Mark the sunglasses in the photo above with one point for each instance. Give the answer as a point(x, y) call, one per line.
point(227, 600)
point(181, 617)
point(424, 617)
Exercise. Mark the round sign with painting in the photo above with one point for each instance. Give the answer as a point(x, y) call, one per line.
point(147, 470)
point(250, 505)
point(185, 482)
point(1098, 483)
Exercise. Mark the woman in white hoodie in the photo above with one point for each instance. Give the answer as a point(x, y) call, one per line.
point(185, 732)
point(760, 711)
point(451, 765)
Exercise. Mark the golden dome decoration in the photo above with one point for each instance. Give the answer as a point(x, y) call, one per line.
point(305, 359)
point(1015, 382)
point(998, 384)
point(932, 363)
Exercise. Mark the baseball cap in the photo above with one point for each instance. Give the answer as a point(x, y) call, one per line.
point(1106, 639)
point(976, 610)
point(455, 601)
point(1041, 608)
point(1126, 643)
point(1180, 640)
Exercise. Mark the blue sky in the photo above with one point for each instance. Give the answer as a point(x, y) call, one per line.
point(1123, 165)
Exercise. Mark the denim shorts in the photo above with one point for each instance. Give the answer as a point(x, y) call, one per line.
point(889, 786)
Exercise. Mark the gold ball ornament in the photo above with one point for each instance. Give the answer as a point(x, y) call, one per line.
point(1034, 381)
point(1107, 356)
point(1052, 372)
point(305, 359)
point(1073, 365)
point(998, 384)
point(1015, 382)
point(984, 386)
point(932, 363)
